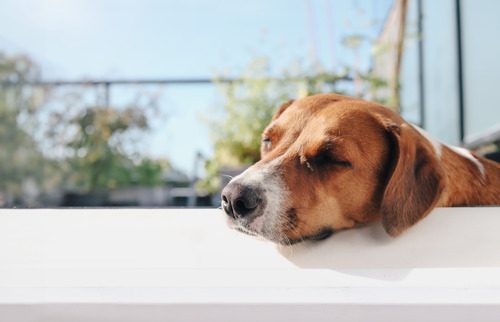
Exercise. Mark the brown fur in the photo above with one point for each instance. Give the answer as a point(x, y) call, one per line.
point(348, 162)
point(416, 183)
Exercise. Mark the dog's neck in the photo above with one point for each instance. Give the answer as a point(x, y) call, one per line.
point(470, 180)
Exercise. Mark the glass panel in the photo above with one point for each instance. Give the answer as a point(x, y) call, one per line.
point(441, 89)
point(481, 68)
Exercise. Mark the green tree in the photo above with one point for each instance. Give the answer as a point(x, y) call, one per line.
point(97, 139)
point(21, 158)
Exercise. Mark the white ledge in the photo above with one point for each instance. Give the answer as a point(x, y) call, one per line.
point(183, 264)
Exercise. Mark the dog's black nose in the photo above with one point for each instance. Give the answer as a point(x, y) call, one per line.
point(239, 200)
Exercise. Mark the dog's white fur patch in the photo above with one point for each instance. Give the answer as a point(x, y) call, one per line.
point(468, 155)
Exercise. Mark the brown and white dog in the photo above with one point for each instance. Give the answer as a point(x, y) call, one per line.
point(332, 162)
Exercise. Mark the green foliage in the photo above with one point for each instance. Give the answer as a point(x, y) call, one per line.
point(98, 158)
point(150, 172)
point(20, 158)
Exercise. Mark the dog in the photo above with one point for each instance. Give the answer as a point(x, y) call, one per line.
point(331, 162)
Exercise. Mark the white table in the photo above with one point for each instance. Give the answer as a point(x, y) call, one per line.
point(186, 265)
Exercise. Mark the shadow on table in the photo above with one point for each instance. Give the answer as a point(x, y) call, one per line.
point(370, 252)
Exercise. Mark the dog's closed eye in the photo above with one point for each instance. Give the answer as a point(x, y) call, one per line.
point(326, 158)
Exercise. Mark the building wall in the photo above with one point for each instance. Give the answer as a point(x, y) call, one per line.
point(481, 67)
point(385, 50)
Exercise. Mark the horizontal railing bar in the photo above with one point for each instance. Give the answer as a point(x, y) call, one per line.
point(158, 81)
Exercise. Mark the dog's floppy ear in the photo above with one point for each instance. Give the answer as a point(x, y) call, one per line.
point(415, 180)
point(282, 108)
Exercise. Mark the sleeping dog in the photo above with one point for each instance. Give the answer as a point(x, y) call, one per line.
point(331, 162)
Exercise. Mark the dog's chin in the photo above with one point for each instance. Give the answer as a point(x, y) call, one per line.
point(241, 228)
point(248, 230)
point(279, 238)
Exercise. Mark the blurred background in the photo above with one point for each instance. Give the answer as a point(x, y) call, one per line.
point(158, 103)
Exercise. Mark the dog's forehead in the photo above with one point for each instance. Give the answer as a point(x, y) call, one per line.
point(328, 118)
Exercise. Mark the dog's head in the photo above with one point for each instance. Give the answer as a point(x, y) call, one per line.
point(330, 162)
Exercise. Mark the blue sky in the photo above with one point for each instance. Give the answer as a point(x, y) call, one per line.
point(75, 39)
